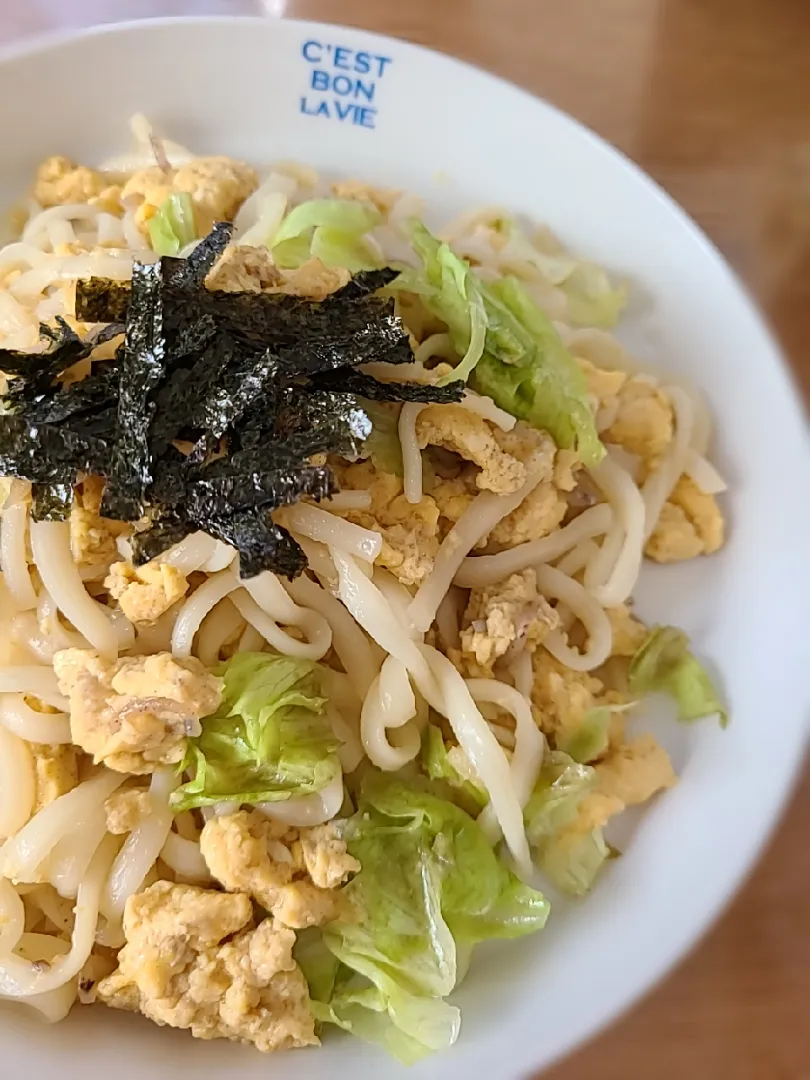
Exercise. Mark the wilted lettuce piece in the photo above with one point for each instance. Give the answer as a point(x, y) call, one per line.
point(408, 1026)
point(665, 665)
point(319, 964)
point(546, 386)
point(571, 858)
point(173, 226)
point(437, 763)
point(449, 289)
point(509, 346)
point(430, 887)
point(267, 741)
point(592, 299)
point(574, 859)
point(329, 229)
point(589, 739)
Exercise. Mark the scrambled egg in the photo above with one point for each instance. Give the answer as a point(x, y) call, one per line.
point(194, 960)
point(635, 771)
point(244, 269)
point(539, 514)
point(643, 423)
point(469, 435)
point(92, 537)
point(410, 532)
point(690, 524)
point(126, 810)
point(60, 181)
point(512, 612)
point(144, 593)
point(562, 697)
point(630, 775)
point(251, 269)
point(313, 280)
point(134, 713)
point(628, 632)
point(290, 873)
point(56, 772)
point(383, 198)
point(603, 385)
point(217, 185)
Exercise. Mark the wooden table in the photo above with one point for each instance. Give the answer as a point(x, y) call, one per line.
point(712, 98)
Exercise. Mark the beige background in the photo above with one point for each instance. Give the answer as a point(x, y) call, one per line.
point(712, 98)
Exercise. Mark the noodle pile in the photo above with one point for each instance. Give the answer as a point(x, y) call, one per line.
point(385, 607)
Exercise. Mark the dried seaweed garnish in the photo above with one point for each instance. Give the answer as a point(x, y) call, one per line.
point(51, 502)
point(262, 545)
point(141, 369)
point(212, 411)
point(43, 453)
point(242, 491)
point(161, 529)
point(347, 380)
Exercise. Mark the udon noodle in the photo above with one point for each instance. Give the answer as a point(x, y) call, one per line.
point(411, 578)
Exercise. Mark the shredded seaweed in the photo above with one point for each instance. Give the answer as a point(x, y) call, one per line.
point(347, 380)
point(51, 502)
point(213, 410)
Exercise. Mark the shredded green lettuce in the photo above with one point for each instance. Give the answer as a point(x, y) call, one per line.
point(329, 229)
point(430, 887)
point(509, 347)
point(589, 739)
point(267, 741)
point(452, 292)
point(173, 226)
point(569, 857)
point(665, 665)
point(448, 765)
point(545, 386)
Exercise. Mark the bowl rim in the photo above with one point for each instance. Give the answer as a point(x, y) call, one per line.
point(691, 935)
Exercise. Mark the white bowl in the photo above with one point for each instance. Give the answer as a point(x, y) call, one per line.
point(419, 120)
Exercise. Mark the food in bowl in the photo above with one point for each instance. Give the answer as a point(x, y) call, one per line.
point(319, 541)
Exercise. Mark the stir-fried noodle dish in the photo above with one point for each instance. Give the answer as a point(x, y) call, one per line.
point(319, 539)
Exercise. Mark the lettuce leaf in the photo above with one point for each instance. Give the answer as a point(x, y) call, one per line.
point(173, 225)
point(571, 858)
point(429, 889)
point(665, 665)
point(329, 229)
point(441, 764)
point(267, 741)
point(452, 292)
point(590, 738)
point(545, 386)
point(510, 348)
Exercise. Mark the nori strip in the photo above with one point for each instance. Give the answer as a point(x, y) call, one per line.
point(257, 383)
point(364, 283)
point(87, 396)
point(312, 422)
point(43, 453)
point(166, 528)
point(190, 272)
point(206, 497)
point(141, 368)
point(347, 380)
point(262, 545)
point(242, 384)
point(51, 502)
